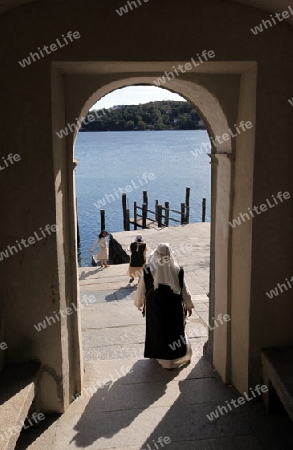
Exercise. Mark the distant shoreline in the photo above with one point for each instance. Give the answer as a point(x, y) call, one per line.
point(114, 131)
point(153, 116)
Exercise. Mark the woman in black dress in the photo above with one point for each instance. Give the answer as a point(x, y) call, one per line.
point(138, 251)
point(163, 293)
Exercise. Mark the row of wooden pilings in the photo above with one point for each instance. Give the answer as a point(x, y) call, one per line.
point(161, 214)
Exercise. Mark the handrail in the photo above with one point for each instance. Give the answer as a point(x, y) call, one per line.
point(161, 213)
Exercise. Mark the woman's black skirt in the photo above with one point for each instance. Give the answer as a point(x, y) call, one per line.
point(165, 325)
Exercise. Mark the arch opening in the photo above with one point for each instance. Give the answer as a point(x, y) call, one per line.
point(197, 95)
point(182, 142)
point(209, 108)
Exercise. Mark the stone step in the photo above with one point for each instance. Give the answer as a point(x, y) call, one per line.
point(18, 387)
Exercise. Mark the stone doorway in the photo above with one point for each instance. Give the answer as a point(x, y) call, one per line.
point(223, 95)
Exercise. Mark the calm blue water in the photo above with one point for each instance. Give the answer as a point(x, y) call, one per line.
point(108, 161)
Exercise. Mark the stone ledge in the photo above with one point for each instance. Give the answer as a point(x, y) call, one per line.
point(117, 255)
point(18, 387)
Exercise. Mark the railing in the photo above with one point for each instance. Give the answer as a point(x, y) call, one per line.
point(161, 214)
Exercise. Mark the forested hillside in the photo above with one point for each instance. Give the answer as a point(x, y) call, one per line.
point(163, 115)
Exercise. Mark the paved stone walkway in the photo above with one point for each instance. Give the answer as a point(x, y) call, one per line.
point(112, 327)
point(130, 403)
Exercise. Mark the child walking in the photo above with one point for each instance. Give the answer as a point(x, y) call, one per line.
point(103, 253)
point(138, 251)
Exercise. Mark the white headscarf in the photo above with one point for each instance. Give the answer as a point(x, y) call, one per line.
point(164, 267)
point(139, 240)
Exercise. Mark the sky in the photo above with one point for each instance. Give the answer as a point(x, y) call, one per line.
point(134, 95)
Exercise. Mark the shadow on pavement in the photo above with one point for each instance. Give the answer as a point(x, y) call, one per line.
point(115, 407)
point(120, 294)
point(247, 427)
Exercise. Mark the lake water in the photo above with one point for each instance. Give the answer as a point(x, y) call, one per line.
point(108, 161)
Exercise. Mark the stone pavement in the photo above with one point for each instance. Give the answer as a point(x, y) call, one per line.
point(112, 327)
point(131, 403)
point(191, 244)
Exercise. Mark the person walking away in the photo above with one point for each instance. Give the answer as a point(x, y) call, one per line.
point(138, 251)
point(164, 295)
point(103, 253)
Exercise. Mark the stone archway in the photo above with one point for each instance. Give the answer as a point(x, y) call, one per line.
point(211, 111)
point(222, 99)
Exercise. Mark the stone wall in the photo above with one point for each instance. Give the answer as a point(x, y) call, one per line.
point(40, 99)
point(117, 254)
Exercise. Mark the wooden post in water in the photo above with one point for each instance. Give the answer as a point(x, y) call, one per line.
point(103, 221)
point(166, 214)
point(78, 234)
point(127, 220)
point(187, 199)
point(159, 216)
point(77, 224)
point(204, 202)
point(156, 209)
point(124, 207)
point(144, 215)
point(183, 217)
point(135, 215)
point(145, 198)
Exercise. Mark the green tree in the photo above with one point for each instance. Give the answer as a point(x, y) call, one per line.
point(130, 125)
point(141, 125)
